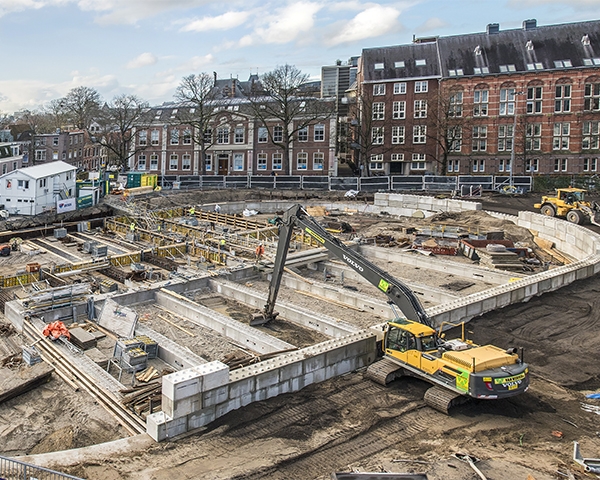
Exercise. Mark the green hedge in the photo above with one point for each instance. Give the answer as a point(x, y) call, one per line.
point(548, 183)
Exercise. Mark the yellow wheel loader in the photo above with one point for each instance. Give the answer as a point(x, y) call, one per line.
point(570, 203)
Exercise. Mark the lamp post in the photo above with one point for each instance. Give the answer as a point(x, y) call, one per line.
point(512, 150)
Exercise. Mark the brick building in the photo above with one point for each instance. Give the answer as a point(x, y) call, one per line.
point(475, 103)
point(67, 146)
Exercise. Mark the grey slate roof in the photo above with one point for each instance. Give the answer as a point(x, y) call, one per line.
point(409, 54)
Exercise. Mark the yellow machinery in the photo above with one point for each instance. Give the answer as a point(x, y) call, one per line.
point(571, 204)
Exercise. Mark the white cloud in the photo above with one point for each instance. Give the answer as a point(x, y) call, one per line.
point(285, 24)
point(432, 24)
point(142, 60)
point(571, 3)
point(196, 63)
point(375, 20)
point(220, 22)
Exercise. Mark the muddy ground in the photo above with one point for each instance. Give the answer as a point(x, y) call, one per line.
point(350, 423)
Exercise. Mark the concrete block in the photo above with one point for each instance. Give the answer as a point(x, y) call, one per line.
point(246, 399)
point(215, 396)
point(314, 363)
point(214, 374)
point(241, 387)
point(291, 370)
point(260, 395)
point(267, 379)
point(224, 408)
point(335, 355)
point(297, 384)
point(156, 426)
point(176, 426)
point(182, 384)
point(183, 407)
point(201, 418)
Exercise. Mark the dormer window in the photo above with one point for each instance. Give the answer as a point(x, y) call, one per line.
point(535, 66)
point(399, 64)
point(529, 45)
point(586, 40)
point(507, 68)
point(478, 50)
point(562, 63)
point(454, 73)
point(421, 62)
point(591, 61)
point(378, 66)
point(480, 70)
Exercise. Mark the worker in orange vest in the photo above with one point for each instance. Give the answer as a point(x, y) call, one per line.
point(260, 251)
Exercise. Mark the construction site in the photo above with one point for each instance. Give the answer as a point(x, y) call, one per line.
point(216, 336)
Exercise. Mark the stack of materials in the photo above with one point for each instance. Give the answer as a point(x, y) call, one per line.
point(31, 356)
point(124, 344)
point(148, 345)
point(135, 358)
point(97, 357)
point(82, 339)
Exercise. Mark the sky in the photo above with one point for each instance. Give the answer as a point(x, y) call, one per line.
point(145, 47)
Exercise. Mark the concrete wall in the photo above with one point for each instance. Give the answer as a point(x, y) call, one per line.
point(195, 397)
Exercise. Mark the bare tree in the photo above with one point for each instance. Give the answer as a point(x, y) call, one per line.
point(198, 96)
point(58, 115)
point(114, 129)
point(283, 101)
point(82, 105)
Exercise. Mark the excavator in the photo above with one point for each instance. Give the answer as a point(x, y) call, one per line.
point(458, 369)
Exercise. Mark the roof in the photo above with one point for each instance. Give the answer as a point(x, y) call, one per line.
point(401, 61)
point(46, 170)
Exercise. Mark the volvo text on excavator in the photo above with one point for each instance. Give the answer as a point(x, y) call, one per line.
point(458, 369)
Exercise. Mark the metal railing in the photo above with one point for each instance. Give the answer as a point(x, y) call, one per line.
point(11, 469)
point(423, 183)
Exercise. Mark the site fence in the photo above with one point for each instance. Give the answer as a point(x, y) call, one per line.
point(11, 469)
point(424, 183)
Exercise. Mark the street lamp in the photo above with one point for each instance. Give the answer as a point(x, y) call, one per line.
point(512, 150)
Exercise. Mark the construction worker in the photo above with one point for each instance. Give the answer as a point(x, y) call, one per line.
point(158, 228)
point(260, 251)
point(217, 208)
point(132, 227)
point(222, 244)
point(192, 211)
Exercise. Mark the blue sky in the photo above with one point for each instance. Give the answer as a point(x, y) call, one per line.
point(145, 47)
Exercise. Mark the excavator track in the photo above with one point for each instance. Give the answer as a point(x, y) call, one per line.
point(443, 399)
point(384, 371)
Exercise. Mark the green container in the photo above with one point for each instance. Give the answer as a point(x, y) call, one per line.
point(134, 179)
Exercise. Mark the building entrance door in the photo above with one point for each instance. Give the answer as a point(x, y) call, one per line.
point(223, 163)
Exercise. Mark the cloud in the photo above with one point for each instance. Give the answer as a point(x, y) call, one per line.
point(9, 6)
point(432, 24)
point(220, 22)
point(374, 21)
point(142, 60)
point(285, 24)
point(196, 63)
point(571, 3)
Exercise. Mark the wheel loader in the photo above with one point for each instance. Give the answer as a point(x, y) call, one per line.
point(570, 203)
point(458, 369)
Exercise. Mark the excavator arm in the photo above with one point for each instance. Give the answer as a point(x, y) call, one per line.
point(397, 292)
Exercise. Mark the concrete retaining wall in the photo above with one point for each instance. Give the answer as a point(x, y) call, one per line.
point(195, 397)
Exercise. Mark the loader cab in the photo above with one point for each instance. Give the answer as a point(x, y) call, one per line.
point(571, 196)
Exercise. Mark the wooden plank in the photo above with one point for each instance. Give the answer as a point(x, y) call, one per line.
point(16, 382)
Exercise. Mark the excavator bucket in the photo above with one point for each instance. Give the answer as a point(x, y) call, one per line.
point(261, 318)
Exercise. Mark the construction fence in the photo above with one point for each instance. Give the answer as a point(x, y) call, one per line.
point(11, 469)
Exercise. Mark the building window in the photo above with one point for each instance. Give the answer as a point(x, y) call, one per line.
point(186, 162)
point(187, 137)
point(532, 165)
point(302, 161)
point(223, 135)
point(263, 135)
point(208, 163)
point(154, 137)
point(591, 94)
point(455, 106)
point(480, 138)
point(479, 165)
point(560, 164)
point(397, 157)
point(154, 161)
point(173, 162)
point(480, 103)
point(420, 109)
point(55, 155)
point(421, 87)
point(378, 66)
point(534, 100)
point(379, 89)
point(507, 68)
point(55, 141)
point(533, 136)
point(418, 161)
point(398, 135)
point(507, 101)
point(400, 88)
point(239, 135)
point(501, 165)
point(277, 161)
point(505, 138)
point(562, 100)
point(590, 135)
point(207, 137)
point(238, 162)
point(377, 135)
point(261, 161)
point(143, 138)
point(23, 184)
point(40, 155)
point(378, 111)
point(303, 134)
point(278, 133)
point(590, 164)
point(376, 162)
point(318, 160)
point(399, 111)
point(419, 133)
point(454, 135)
point(174, 137)
point(142, 162)
point(319, 132)
point(561, 136)
point(453, 166)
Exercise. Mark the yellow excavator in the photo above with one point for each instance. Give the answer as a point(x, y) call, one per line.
point(458, 369)
point(571, 204)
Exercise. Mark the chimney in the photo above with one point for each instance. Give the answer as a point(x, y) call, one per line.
point(530, 24)
point(215, 76)
point(493, 28)
point(233, 88)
